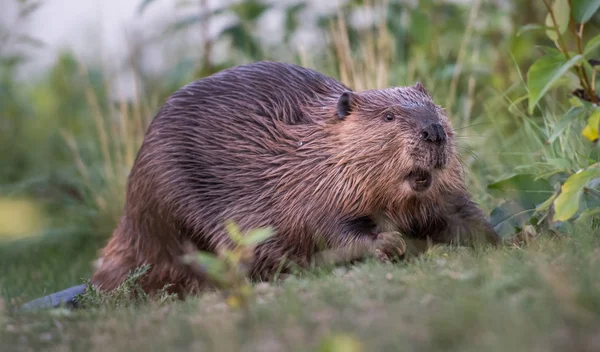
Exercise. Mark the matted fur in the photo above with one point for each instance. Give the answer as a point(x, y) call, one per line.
point(263, 145)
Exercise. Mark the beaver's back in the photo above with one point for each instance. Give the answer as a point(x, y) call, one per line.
point(271, 90)
point(241, 120)
point(221, 146)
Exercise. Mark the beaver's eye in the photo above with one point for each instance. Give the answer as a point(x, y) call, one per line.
point(388, 116)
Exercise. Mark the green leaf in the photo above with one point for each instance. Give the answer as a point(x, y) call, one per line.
point(549, 50)
point(234, 231)
point(565, 122)
point(567, 203)
point(583, 10)
point(249, 10)
point(544, 73)
point(575, 102)
point(242, 40)
point(524, 192)
point(588, 215)
point(229, 256)
point(510, 217)
point(559, 163)
point(522, 188)
point(590, 198)
point(561, 14)
point(555, 176)
point(210, 263)
point(591, 45)
point(546, 205)
point(532, 27)
point(256, 236)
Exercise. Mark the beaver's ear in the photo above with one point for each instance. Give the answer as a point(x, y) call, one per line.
point(418, 86)
point(345, 104)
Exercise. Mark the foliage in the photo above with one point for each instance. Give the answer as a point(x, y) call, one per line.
point(11, 102)
point(68, 143)
point(128, 293)
point(228, 269)
point(567, 187)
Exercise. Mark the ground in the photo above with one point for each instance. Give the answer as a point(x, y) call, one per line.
point(541, 296)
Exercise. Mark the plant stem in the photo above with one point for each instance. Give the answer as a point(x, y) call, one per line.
point(590, 89)
point(561, 43)
point(581, 74)
point(592, 191)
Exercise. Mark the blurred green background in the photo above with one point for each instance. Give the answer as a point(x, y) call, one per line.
point(69, 131)
point(81, 80)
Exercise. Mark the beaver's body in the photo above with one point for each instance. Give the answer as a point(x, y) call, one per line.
point(274, 144)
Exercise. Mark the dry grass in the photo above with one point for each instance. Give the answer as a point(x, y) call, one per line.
point(370, 69)
point(119, 131)
point(373, 62)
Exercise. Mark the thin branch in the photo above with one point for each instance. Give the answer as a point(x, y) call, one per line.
point(592, 191)
point(583, 73)
point(579, 34)
point(561, 41)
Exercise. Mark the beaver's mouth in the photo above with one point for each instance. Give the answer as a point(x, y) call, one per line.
point(419, 180)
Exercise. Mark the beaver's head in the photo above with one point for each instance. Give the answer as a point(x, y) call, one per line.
point(398, 138)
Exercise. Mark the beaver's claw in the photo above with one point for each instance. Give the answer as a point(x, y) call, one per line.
point(389, 246)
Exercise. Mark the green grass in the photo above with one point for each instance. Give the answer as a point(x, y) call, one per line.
point(63, 150)
point(545, 296)
point(34, 267)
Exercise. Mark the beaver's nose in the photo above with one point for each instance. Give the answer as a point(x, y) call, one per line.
point(434, 133)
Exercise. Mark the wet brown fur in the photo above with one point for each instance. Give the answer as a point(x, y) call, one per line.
point(263, 145)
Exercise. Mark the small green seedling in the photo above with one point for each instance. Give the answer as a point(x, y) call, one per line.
point(229, 268)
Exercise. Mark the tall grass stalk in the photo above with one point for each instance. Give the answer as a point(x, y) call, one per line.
point(370, 69)
point(119, 129)
point(462, 54)
point(373, 61)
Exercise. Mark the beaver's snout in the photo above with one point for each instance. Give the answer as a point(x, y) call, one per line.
point(434, 133)
point(431, 152)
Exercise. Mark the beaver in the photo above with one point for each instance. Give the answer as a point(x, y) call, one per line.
point(273, 144)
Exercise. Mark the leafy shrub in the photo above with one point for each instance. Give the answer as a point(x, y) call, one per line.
point(564, 185)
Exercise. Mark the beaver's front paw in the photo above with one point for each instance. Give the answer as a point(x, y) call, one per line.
point(389, 246)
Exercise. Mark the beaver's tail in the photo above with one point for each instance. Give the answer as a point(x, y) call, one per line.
point(65, 297)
